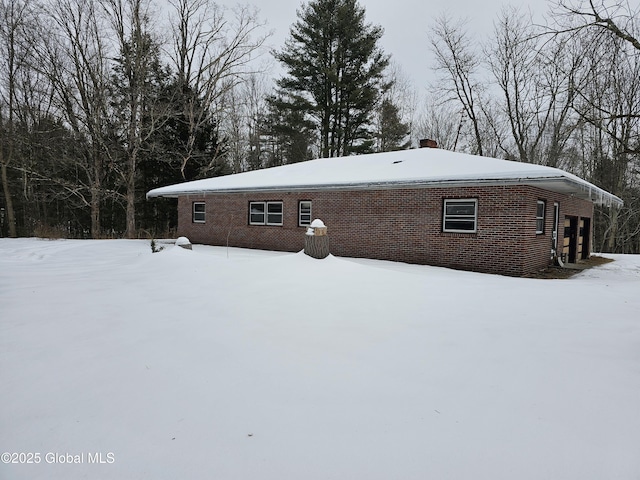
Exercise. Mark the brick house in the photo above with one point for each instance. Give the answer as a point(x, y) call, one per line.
point(425, 206)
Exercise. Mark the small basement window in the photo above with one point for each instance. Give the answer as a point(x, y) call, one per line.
point(540, 212)
point(265, 213)
point(199, 211)
point(460, 216)
point(304, 213)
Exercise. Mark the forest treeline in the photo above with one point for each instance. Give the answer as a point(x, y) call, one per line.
point(103, 100)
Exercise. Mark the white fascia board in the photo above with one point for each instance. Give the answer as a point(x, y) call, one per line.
point(560, 184)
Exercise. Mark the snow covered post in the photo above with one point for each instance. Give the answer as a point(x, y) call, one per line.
point(316, 241)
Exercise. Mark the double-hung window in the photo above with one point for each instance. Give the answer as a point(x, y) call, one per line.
point(304, 213)
point(540, 210)
point(460, 215)
point(274, 213)
point(198, 212)
point(257, 213)
point(265, 213)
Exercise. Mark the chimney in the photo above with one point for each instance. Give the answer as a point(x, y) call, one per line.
point(428, 143)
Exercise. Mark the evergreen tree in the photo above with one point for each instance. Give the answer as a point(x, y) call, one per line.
point(138, 110)
point(195, 150)
point(288, 134)
point(334, 74)
point(392, 133)
point(163, 160)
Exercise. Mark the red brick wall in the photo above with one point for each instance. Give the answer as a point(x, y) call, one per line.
point(397, 224)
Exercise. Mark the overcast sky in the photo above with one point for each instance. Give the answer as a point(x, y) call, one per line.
point(405, 22)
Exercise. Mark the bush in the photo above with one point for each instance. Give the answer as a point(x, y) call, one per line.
point(154, 247)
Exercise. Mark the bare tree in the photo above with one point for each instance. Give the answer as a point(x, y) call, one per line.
point(233, 124)
point(607, 99)
point(537, 81)
point(245, 108)
point(211, 54)
point(608, 34)
point(76, 62)
point(618, 18)
point(403, 94)
point(139, 111)
point(513, 60)
point(15, 43)
point(458, 63)
point(560, 64)
point(609, 103)
point(441, 122)
point(38, 135)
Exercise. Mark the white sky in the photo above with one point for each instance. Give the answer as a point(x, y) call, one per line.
point(406, 25)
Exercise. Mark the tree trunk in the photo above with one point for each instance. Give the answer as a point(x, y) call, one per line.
point(131, 213)
point(11, 218)
point(613, 232)
point(316, 246)
point(96, 228)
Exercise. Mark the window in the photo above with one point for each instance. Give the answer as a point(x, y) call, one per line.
point(265, 213)
point(304, 213)
point(540, 216)
point(256, 213)
point(274, 213)
point(460, 216)
point(198, 212)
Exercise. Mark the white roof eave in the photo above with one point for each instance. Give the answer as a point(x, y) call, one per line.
point(560, 184)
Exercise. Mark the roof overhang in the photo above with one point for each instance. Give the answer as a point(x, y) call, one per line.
point(559, 184)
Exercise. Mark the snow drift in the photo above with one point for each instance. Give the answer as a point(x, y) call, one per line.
point(235, 364)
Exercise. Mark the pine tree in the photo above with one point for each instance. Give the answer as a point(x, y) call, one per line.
point(334, 74)
point(138, 112)
point(165, 153)
point(392, 133)
point(288, 134)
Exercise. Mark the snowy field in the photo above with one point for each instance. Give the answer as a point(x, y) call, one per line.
point(239, 365)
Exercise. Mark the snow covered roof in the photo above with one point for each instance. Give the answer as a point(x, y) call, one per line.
point(424, 167)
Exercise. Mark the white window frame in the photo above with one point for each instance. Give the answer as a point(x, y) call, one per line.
point(266, 213)
point(540, 219)
point(453, 217)
point(556, 220)
point(281, 213)
point(196, 214)
point(304, 217)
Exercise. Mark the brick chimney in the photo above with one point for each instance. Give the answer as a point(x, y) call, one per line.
point(428, 143)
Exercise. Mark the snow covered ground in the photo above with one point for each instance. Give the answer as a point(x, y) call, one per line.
point(216, 364)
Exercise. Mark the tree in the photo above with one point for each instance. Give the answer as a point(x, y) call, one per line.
point(607, 95)
point(161, 160)
point(211, 56)
point(138, 107)
point(441, 122)
point(617, 18)
point(458, 63)
point(537, 89)
point(334, 74)
point(288, 133)
point(611, 32)
point(392, 134)
point(16, 17)
point(404, 96)
point(255, 106)
point(76, 62)
point(245, 110)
